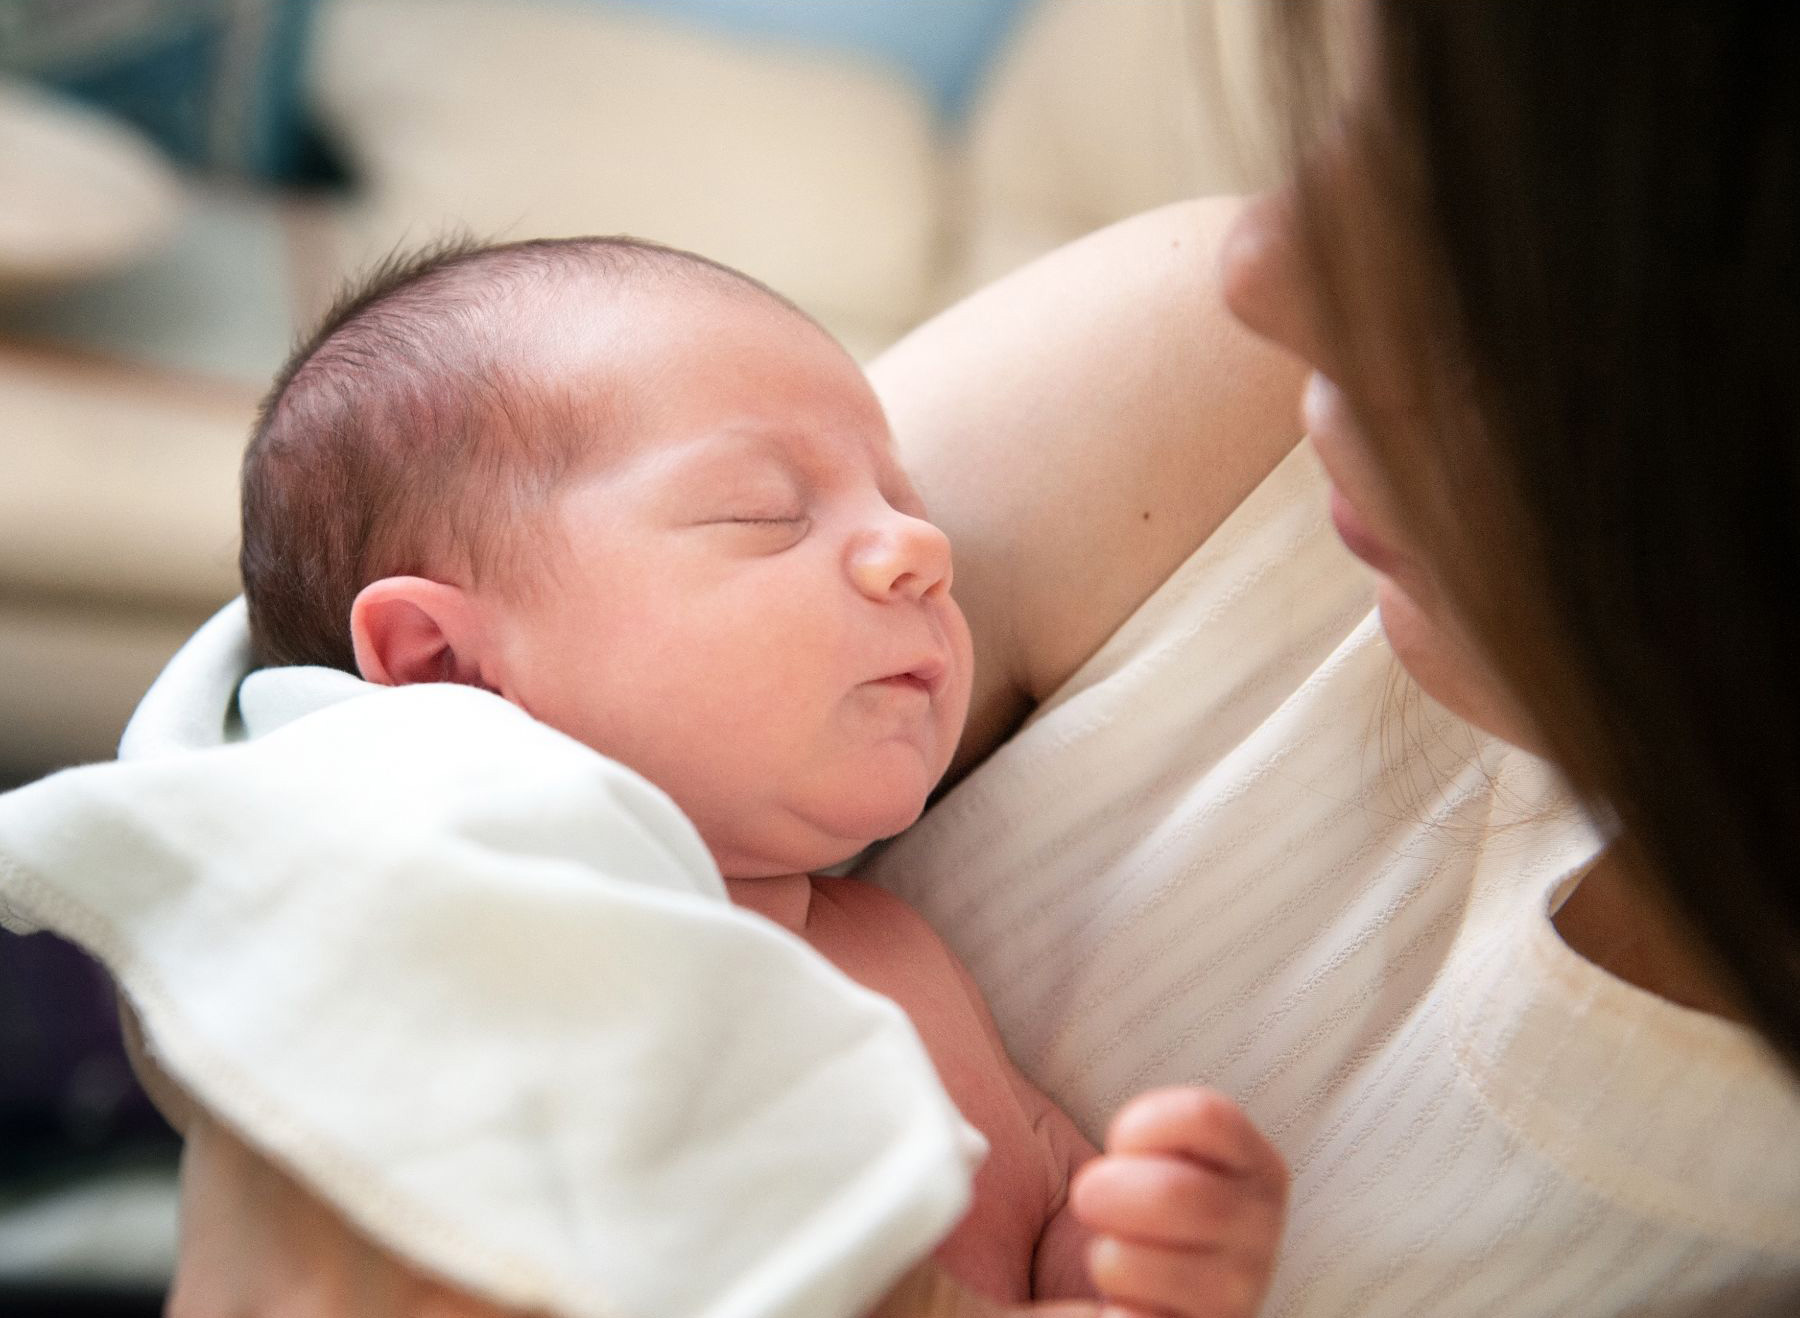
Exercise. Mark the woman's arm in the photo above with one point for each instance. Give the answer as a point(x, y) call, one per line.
point(1078, 429)
point(254, 1241)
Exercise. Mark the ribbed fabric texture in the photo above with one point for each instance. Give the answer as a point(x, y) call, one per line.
point(1240, 848)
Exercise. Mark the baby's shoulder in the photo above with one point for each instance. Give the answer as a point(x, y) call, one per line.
point(884, 944)
point(873, 933)
point(861, 900)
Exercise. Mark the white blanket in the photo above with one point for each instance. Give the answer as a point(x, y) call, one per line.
point(481, 988)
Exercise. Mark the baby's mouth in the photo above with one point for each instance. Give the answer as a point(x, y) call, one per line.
point(906, 682)
point(924, 676)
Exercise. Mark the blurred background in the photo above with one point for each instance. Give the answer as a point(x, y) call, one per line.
point(184, 184)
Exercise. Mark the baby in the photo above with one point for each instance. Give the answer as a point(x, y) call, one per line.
point(656, 506)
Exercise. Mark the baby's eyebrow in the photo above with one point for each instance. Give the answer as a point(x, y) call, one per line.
point(728, 454)
point(798, 456)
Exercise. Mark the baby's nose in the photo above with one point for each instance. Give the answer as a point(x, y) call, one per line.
point(902, 558)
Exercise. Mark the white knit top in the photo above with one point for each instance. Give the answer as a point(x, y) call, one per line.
point(1240, 848)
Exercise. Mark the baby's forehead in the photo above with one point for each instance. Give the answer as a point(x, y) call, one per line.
point(747, 452)
point(585, 334)
point(580, 306)
point(682, 362)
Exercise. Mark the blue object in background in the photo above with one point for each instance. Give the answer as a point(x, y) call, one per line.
point(218, 84)
point(944, 46)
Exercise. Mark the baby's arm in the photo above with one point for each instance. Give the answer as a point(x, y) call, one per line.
point(1059, 1265)
point(1181, 1215)
point(1187, 1206)
point(1059, 1269)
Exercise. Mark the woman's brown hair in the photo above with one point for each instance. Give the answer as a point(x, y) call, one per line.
point(1580, 248)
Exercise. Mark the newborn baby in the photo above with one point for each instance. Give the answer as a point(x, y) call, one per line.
point(653, 504)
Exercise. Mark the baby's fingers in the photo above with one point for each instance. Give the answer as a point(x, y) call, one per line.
point(1173, 1202)
point(1202, 1125)
point(1187, 1204)
point(1151, 1280)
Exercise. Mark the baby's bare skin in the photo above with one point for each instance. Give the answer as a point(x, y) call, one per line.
point(1020, 1239)
point(1180, 1215)
point(741, 597)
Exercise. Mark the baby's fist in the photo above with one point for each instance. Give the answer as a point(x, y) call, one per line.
point(1186, 1206)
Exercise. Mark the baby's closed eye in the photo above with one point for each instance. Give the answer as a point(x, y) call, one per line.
point(763, 532)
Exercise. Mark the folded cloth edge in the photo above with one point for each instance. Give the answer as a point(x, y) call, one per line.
point(909, 1185)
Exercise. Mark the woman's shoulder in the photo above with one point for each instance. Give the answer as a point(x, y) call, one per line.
point(1078, 428)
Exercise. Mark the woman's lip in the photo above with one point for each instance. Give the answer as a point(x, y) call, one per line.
point(1328, 420)
point(1357, 537)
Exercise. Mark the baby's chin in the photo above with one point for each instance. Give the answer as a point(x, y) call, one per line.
point(815, 836)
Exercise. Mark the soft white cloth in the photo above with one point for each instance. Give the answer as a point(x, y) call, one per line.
point(1240, 848)
point(482, 989)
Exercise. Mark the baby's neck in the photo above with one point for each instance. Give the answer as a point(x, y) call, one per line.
point(785, 900)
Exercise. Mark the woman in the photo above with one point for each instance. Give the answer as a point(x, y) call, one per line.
point(1542, 273)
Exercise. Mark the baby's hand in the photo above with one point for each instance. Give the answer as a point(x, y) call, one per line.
point(1186, 1206)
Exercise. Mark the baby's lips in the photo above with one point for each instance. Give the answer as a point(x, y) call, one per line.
point(931, 671)
point(928, 672)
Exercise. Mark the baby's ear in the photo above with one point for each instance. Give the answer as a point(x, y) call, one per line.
point(409, 629)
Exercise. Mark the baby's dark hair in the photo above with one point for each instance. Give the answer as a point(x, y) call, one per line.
point(407, 431)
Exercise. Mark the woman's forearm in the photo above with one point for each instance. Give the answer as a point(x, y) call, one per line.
point(253, 1240)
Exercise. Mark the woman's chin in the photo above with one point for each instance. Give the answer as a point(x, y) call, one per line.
point(1446, 665)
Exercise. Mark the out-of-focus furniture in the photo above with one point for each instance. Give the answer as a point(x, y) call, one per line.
point(128, 374)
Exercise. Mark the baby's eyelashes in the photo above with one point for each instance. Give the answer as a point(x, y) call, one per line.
point(765, 532)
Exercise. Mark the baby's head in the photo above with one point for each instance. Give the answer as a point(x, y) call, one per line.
point(640, 496)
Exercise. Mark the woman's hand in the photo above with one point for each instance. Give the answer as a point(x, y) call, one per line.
point(253, 1241)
